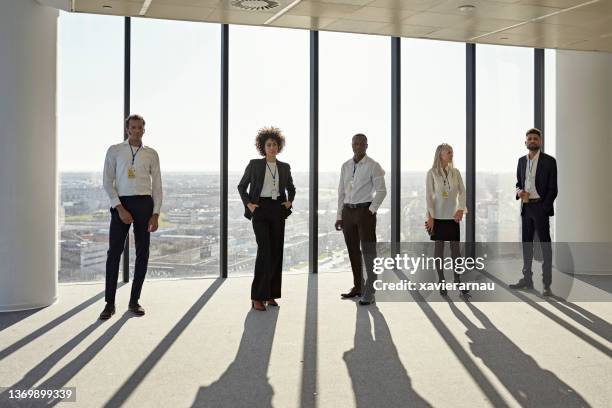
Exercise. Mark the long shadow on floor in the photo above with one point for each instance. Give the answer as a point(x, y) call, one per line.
point(309, 384)
point(162, 348)
point(245, 382)
point(65, 374)
point(7, 319)
point(581, 316)
point(51, 325)
point(529, 384)
point(493, 396)
point(378, 376)
point(566, 325)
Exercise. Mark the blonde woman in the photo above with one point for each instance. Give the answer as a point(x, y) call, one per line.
point(445, 207)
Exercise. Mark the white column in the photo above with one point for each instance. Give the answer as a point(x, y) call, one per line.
point(28, 155)
point(584, 155)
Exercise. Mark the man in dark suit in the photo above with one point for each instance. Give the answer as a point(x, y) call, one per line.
point(267, 203)
point(536, 187)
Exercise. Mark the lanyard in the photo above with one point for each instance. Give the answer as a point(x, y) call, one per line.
point(354, 168)
point(134, 154)
point(446, 182)
point(530, 165)
point(272, 174)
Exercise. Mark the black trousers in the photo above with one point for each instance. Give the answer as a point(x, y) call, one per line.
point(141, 208)
point(535, 220)
point(269, 226)
point(359, 229)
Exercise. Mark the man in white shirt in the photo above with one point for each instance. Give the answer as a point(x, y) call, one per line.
point(536, 187)
point(132, 180)
point(361, 191)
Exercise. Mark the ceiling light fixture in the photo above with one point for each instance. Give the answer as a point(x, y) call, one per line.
point(145, 7)
point(255, 5)
point(280, 13)
point(466, 8)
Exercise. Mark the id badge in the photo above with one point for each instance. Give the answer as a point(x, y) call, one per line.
point(274, 194)
point(445, 194)
point(350, 186)
point(131, 172)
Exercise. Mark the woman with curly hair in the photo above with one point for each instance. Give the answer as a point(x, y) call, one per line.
point(267, 203)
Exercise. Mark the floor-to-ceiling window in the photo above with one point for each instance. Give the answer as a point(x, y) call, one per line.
point(354, 97)
point(175, 85)
point(268, 86)
point(433, 112)
point(89, 120)
point(504, 112)
point(550, 110)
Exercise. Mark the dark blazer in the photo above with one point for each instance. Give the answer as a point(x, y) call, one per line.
point(254, 177)
point(545, 180)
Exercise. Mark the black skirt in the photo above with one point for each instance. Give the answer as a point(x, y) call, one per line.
point(446, 230)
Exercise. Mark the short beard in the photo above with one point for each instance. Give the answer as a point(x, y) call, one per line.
point(533, 148)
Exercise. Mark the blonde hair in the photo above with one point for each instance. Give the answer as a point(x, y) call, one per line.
point(437, 163)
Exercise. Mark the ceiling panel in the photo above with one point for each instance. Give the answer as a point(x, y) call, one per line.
point(566, 24)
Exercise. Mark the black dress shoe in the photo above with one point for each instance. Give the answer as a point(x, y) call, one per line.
point(108, 311)
point(367, 302)
point(522, 284)
point(351, 294)
point(443, 291)
point(136, 309)
point(547, 292)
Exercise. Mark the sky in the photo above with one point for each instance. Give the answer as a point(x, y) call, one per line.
point(176, 86)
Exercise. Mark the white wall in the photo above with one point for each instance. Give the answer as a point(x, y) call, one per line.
point(584, 152)
point(28, 164)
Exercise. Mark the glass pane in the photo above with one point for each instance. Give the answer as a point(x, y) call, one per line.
point(504, 112)
point(433, 112)
point(550, 111)
point(89, 120)
point(175, 87)
point(268, 86)
point(355, 97)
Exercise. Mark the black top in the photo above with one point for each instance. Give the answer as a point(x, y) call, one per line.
point(545, 180)
point(254, 177)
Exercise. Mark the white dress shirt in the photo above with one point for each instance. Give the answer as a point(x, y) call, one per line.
point(441, 205)
point(147, 180)
point(530, 174)
point(361, 182)
point(268, 189)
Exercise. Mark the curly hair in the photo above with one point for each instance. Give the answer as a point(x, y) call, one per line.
point(266, 133)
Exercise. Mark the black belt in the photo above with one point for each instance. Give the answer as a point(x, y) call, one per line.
point(360, 205)
point(535, 200)
point(266, 198)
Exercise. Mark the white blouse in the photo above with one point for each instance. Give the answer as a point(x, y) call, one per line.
point(445, 194)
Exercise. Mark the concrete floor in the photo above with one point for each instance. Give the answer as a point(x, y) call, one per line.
point(201, 345)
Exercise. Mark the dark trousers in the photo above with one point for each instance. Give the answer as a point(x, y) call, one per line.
point(359, 229)
point(141, 208)
point(439, 254)
point(535, 220)
point(269, 227)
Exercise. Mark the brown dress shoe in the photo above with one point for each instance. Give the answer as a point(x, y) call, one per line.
point(108, 311)
point(136, 309)
point(258, 305)
point(272, 302)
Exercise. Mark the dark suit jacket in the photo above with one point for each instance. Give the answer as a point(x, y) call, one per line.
point(545, 180)
point(254, 177)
